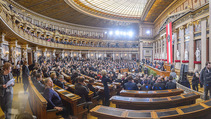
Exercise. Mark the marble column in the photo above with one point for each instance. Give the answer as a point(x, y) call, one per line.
point(161, 48)
point(63, 52)
point(182, 43)
point(141, 50)
point(71, 54)
point(165, 48)
point(13, 51)
point(24, 52)
point(175, 45)
point(153, 52)
point(191, 48)
point(45, 53)
point(156, 45)
point(203, 42)
point(2, 36)
point(209, 30)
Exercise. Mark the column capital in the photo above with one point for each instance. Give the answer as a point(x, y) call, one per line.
point(181, 27)
point(190, 24)
point(24, 46)
point(175, 30)
point(13, 43)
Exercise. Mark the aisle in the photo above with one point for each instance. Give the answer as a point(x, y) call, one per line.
point(19, 99)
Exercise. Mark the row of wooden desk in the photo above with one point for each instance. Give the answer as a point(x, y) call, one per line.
point(194, 111)
point(137, 103)
point(159, 72)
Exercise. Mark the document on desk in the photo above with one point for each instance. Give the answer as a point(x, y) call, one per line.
point(60, 90)
point(69, 95)
point(10, 82)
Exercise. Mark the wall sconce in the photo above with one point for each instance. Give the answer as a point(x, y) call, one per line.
point(48, 55)
point(74, 55)
point(65, 54)
point(18, 54)
point(38, 54)
point(6, 53)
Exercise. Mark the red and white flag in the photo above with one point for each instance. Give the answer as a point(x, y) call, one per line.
point(169, 42)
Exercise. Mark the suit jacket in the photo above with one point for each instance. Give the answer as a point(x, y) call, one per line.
point(159, 86)
point(25, 71)
point(40, 87)
point(4, 81)
point(59, 83)
point(53, 98)
point(171, 85)
point(130, 86)
point(202, 78)
point(82, 91)
point(91, 88)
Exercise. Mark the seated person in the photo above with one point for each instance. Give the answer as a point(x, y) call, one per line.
point(91, 88)
point(53, 77)
point(170, 84)
point(146, 86)
point(40, 87)
point(81, 90)
point(54, 101)
point(61, 82)
point(130, 85)
point(159, 85)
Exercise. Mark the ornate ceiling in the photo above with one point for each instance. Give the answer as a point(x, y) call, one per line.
point(130, 10)
point(99, 13)
point(158, 7)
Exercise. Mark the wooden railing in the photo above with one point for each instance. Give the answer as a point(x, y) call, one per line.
point(152, 93)
point(159, 72)
point(194, 111)
point(154, 103)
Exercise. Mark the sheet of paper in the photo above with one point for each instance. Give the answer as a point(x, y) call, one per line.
point(70, 94)
point(10, 82)
point(60, 90)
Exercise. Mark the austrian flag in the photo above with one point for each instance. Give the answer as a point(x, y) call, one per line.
point(169, 42)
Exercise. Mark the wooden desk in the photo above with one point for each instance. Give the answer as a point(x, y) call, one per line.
point(72, 99)
point(66, 77)
point(159, 72)
point(153, 93)
point(167, 67)
point(154, 103)
point(72, 88)
point(194, 111)
point(1, 114)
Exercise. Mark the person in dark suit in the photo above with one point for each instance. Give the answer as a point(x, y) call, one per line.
point(159, 85)
point(6, 91)
point(61, 82)
point(91, 88)
point(81, 90)
point(195, 80)
point(130, 85)
point(25, 75)
point(54, 101)
point(146, 86)
point(171, 84)
point(206, 81)
point(105, 81)
point(40, 87)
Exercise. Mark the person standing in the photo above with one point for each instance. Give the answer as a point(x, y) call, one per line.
point(18, 67)
point(25, 75)
point(6, 90)
point(206, 80)
point(195, 80)
point(105, 80)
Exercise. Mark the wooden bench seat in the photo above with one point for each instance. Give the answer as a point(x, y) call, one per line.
point(1, 114)
point(194, 111)
point(152, 93)
point(154, 103)
point(38, 104)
